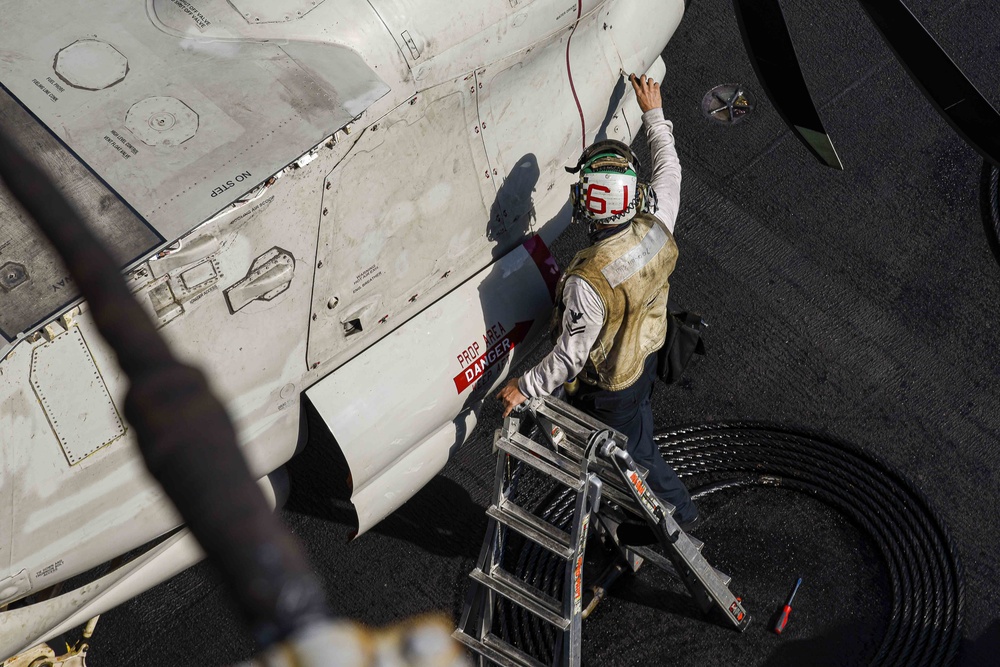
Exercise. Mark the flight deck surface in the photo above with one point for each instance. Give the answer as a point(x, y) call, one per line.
point(861, 304)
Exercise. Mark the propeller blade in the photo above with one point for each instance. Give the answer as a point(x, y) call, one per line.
point(936, 74)
point(766, 38)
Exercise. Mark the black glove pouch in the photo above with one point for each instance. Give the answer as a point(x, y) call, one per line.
point(684, 340)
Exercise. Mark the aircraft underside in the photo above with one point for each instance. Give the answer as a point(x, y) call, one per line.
point(359, 213)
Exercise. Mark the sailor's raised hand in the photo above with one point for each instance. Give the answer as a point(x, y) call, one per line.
point(647, 92)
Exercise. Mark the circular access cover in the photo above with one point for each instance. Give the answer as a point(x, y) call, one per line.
point(727, 104)
point(90, 64)
point(162, 121)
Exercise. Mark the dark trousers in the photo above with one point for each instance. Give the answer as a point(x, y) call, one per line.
point(630, 412)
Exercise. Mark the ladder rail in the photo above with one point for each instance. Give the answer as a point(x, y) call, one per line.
point(587, 503)
point(708, 586)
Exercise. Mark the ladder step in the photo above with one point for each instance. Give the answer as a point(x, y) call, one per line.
point(565, 415)
point(618, 496)
point(544, 460)
point(497, 650)
point(522, 594)
point(662, 562)
point(578, 431)
point(494, 642)
point(656, 558)
point(532, 527)
point(722, 576)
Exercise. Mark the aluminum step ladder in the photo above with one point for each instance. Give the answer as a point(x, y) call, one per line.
point(579, 453)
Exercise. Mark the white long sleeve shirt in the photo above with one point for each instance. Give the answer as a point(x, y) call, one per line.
point(584, 314)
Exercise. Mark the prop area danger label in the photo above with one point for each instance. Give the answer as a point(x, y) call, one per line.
point(497, 343)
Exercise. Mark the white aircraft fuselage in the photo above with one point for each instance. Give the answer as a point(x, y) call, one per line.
point(349, 201)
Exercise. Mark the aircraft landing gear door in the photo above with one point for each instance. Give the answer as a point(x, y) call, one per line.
point(403, 220)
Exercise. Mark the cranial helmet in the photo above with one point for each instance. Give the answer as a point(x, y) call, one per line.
point(608, 192)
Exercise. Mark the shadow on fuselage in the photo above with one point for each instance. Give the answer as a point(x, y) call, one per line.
point(512, 213)
point(617, 95)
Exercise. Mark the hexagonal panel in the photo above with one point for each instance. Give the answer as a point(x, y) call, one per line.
point(162, 121)
point(12, 275)
point(90, 64)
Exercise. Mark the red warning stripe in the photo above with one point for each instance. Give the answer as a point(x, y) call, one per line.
point(545, 262)
point(493, 356)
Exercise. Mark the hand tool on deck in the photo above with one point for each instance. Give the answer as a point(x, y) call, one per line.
point(780, 625)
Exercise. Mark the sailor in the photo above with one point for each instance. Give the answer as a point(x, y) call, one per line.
point(612, 306)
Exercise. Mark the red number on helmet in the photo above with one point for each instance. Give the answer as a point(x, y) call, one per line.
point(625, 202)
point(591, 199)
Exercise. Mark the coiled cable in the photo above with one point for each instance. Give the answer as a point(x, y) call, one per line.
point(926, 581)
point(989, 202)
point(925, 574)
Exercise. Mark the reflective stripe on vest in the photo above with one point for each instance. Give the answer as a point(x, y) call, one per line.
point(631, 262)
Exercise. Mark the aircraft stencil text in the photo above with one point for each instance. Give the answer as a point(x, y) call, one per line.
point(239, 178)
point(493, 333)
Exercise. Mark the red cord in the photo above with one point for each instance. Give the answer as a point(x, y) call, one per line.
point(569, 71)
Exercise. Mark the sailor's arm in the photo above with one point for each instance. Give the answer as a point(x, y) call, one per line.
point(666, 178)
point(581, 324)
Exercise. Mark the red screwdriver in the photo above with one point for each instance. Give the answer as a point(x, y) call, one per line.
point(780, 625)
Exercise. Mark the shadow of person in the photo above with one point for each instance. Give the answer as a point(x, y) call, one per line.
point(441, 519)
point(513, 210)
